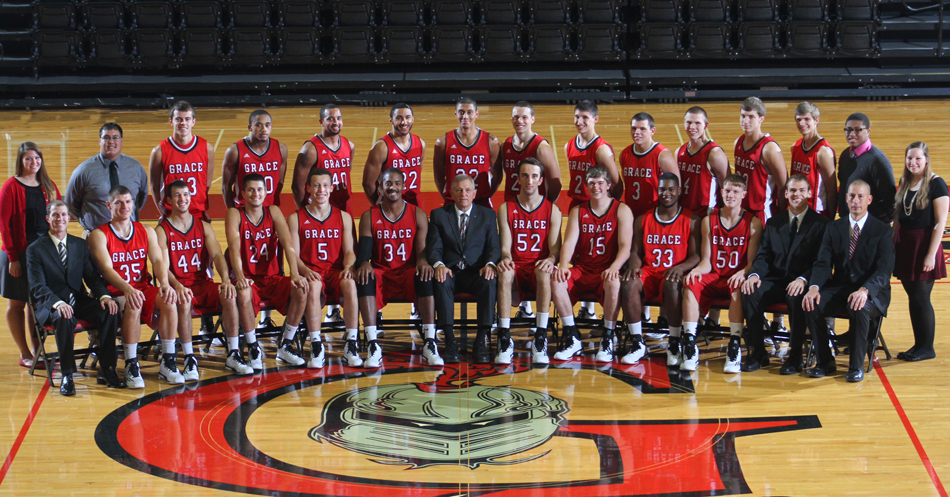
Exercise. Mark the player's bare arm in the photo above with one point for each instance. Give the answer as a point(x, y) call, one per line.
point(552, 172)
point(306, 158)
point(160, 268)
point(293, 226)
point(563, 271)
point(290, 253)
point(226, 289)
point(755, 237)
point(667, 163)
point(549, 264)
point(676, 272)
point(826, 169)
point(504, 236)
point(184, 293)
point(210, 170)
point(372, 168)
point(497, 173)
point(774, 163)
point(229, 167)
point(156, 174)
point(705, 264)
point(282, 174)
point(605, 157)
point(635, 264)
point(423, 268)
point(364, 273)
point(232, 228)
point(349, 255)
point(624, 240)
point(99, 250)
point(438, 165)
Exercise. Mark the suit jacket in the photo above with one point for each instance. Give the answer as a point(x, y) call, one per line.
point(444, 240)
point(778, 259)
point(871, 266)
point(49, 281)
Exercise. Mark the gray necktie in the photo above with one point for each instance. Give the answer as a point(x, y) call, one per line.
point(62, 258)
point(463, 228)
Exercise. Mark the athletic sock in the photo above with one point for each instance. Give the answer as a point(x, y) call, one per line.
point(504, 322)
point(541, 321)
point(289, 331)
point(188, 348)
point(675, 331)
point(131, 351)
point(234, 343)
point(351, 333)
point(428, 331)
point(370, 333)
point(568, 320)
point(251, 337)
point(735, 329)
point(168, 346)
point(691, 327)
point(637, 328)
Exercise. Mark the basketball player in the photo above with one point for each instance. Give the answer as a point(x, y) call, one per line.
point(182, 156)
point(323, 236)
point(190, 247)
point(391, 263)
point(120, 249)
point(642, 163)
point(597, 244)
point(467, 150)
point(398, 148)
point(730, 240)
point(530, 232)
point(702, 163)
point(759, 160)
point(256, 237)
point(813, 158)
point(665, 247)
point(256, 153)
point(328, 150)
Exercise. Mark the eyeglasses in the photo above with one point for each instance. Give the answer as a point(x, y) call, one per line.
point(848, 131)
point(108, 138)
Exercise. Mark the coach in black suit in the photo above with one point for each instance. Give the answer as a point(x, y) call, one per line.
point(780, 273)
point(60, 298)
point(463, 247)
point(853, 273)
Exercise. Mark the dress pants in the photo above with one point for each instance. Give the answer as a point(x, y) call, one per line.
point(834, 301)
point(468, 281)
point(771, 292)
point(88, 309)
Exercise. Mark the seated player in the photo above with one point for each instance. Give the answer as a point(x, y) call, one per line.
point(730, 240)
point(323, 237)
point(189, 245)
point(529, 227)
point(120, 248)
point(256, 237)
point(665, 247)
point(597, 244)
point(392, 263)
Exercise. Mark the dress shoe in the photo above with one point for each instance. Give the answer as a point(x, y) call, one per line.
point(855, 375)
point(822, 370)
point(67, 388)
point(26, 363)
point(919, 355)
point(903, 355)
point(109, 378)
point(792, 365)
point(451, 355)
point(480, 351)
point(755, 363)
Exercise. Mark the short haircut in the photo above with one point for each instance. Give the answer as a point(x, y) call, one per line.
point(526, 104)
point(325, 110)
point(181, 106)
point(118, 190)
point(174, 185)
point(754, 104)
point(669, 177)
point(736, 179)
point(586, 106)
point(857, 116)
point(808, 108)
point(254, 115)
point(466, 100)
point(318, 171)
point(698, 110)
point(460, 178)
point(598, 172)
point(395, 170)
point(532, 161)
point(54, 204)
point(799, 177)
point(643, 116)
point(249, 178)
point(400, 105)
point(860, 183)
point(110, 126)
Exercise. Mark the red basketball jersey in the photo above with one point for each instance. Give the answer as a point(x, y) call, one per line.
point(339, 162)
point(697, 182)
point(394, 244)
point(665, 244)
point(805, 162)
point(266, 164)
point(597, 244)
point(409, 162)
point(189, 164)
point(729, 245)
point(188, 257)
point(474, 160)
point(129, 256)
point(511, 158)
point(321, 242)
point(749, 164)
point(529, 231)
point(579, 160)
point(260, 247)
point(640, 173)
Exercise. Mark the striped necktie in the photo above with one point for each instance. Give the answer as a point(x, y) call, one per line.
point(62, 258)
point(855, 233)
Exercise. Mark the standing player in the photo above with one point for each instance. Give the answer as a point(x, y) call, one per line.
point(642, 163)
point(759, 160)
point(467, 150)
point(813, 158)
point(392, 263)
point(398, 148)
point(256, 153)
point(323, 236)
point(730, 241)
point(597, 245)
point(665, 247)
point(182, 156)
point(328, 150)
point(190, 247)
point(530, 232)
point(120, 249)
point(703, 165)
point(256, 237)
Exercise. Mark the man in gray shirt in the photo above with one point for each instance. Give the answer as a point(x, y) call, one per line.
point(88, 190)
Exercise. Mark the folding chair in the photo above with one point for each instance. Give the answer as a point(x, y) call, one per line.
point(49, 358)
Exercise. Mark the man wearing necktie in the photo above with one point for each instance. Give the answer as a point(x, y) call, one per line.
point(852, 274)
point(781, 272)
point(463, 247)
point(58, 264)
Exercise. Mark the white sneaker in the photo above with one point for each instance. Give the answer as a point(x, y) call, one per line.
point(287, 353)
point(255, 356)
point(317, 356)
point(539, 350)
point(333, 316)
point(236, 363)
point(733, 357)
point(506, 349)
point(430, 353)
point(168, 371)
point(524, 313)
point(374, 358)
point(690, 354)
point(606, 351)
point(637, 351)
point(674, 352)
point(133, 375)
point(570, 350)
point(191, 368)
point(351, 354)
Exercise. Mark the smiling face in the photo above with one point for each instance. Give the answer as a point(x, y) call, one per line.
point(463, 193)
point(916, 162)
point(58, 219)
point(466, 115)
point(695, 125)
point(332, 123)
point(584, 121)
point(856, 133)
point(254, 193)
point(110, 144)
point(797, 192)
point(521, 119)
point(807, 125)
point(320, 187)
point(750, 121)
point(668, 192)
point(642, 133)
point(393, 185)
point(181, 199)
point(122, 207)
point(732, 195)
point(402, 122)
point(598, 187)
point(182, 122)
point(32, 162)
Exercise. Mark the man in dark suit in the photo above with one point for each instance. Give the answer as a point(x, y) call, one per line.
point(780, 273)
point(58, 264)
point(853, 273)
point(463, 247)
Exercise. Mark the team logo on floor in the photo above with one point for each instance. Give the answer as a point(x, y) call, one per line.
point(412, 430)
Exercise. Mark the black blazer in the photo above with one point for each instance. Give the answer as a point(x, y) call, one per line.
point(49, 282)
point(871, 266)
point(444, 241)
point(777, 259)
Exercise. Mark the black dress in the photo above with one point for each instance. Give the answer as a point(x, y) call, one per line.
point(914, 235)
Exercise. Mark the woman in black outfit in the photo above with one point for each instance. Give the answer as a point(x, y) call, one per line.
point(922, 203)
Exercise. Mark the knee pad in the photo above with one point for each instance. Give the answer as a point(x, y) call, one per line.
point(366, 290)
point(423, 288)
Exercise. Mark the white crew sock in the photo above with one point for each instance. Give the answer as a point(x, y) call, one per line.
point(504, 322)
point(542, 320)
point(234, 343)
point(168, 346)
point(428, 331)
point(635, 328)
point(314, 336)
point(251, 337)
point(289, 331)
point(691, 327)
point(188, 348)
point(131, 350)
point(735, 329)
point(610, 325)
point(351, 333)
point(675, 331)
point(568, 320)
point(370, 333)
point(646, 312)
point(590, 307)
